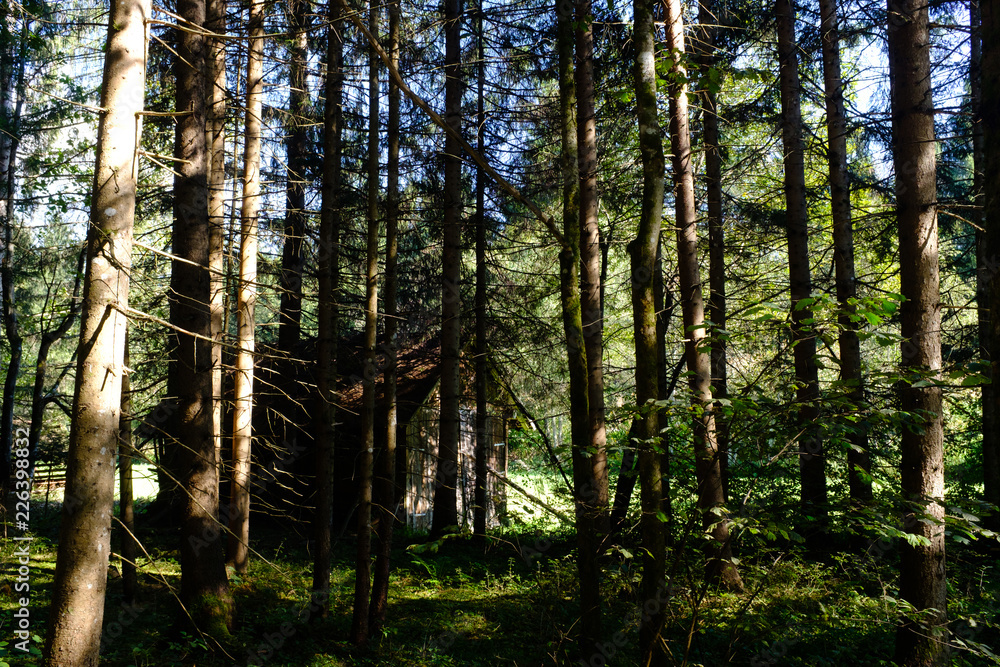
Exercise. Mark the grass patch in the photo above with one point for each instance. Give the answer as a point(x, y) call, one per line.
point(514, 601)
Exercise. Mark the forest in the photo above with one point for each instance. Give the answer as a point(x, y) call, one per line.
point(524, 333)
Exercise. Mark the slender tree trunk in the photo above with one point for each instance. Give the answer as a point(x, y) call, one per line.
point(812, 462)
point(329, 285)
point(591, 283)
point(216, 74)
point(292, 259)
point(644, 252)
point(38, 399)
point(922, 580)
point(445, 503)
point(126, 502)
point(984, 274)
point(362, 566)
point(707, 60)
point(204, 588)
point(77, 607)
point(588, 569)
point(858, 461)
point(238, 551)
point(385, 489)
point(627, 475)
point(10, 87)
point(482, 405)
point(720, 567)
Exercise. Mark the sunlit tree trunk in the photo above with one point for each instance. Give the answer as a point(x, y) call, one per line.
point(216, 74)
point(643, 251)
point(708, 470)
point(482, 406)
point(362, 565)
point(708, 62)
point(77, 607)
point(591, 283)
point(812, 464)
point(588, 569)
point(204, 587)
point(922, 580)
point(385, 481)
point(445, 504)
point(238, 551)
point(328, 315)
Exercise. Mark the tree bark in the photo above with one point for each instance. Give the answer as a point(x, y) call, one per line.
point(858, 460)
point(922, 580)
point(707, 60)
point(643, 251)
point(812, 462)
point(385, 487)
point(591, 284)
point(10, 111)
point(328, 316)
point(238, 551)
point(588, 569)
point(216, 23)
point(719, 568)
point(445, 504)
point(204, 587)
point(362, 566)
point(126, 502)
point(77, 606)
point(986, 248)
point(482, 372)
point(292, 259)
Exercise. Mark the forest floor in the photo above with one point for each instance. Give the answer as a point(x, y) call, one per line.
point(513, 601)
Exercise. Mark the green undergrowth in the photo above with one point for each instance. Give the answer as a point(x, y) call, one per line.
point(513, 601)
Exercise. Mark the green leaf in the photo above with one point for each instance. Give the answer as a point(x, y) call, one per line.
point(975, 380)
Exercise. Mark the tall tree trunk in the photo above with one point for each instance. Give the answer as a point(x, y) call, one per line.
point(126, 503)
point(812, 464)
point(707, 60)
point(588, 569)
point(11, 83)
point(591, 283)
point(77, 608)
point(858, 460)
point(216, 23)
point(984, 275)
point(385, 488)
point(362, 566)
point(445, 504)
point(922, 580)
point(482, 405)
point(292, 259)
point(238, 551)
point(328, 316)
point(643, 251)
point(204, 588)
point(720, 567)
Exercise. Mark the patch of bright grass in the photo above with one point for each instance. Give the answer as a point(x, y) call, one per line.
point(513, 601)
